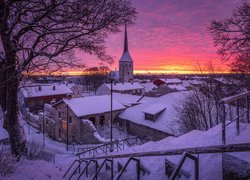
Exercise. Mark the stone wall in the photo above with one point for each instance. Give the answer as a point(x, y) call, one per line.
point(89, 133)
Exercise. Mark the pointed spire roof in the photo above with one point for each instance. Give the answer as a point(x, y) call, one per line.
point(126, 56)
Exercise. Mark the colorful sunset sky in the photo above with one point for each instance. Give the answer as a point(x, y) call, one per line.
point(169, 36)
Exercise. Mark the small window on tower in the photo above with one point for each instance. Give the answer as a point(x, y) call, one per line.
point(128, 73)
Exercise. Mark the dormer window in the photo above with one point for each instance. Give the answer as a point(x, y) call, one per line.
point(154, 111)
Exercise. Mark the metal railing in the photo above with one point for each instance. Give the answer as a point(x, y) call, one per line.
point(125, 166)
point(103, 163)
point(86, 168)
point(186, 152)
point(112, 146)
point(180, 164)
point(234, 100)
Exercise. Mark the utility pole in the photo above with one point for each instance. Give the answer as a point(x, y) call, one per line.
point(67, 127)
point(43, 128)
point(111, 116)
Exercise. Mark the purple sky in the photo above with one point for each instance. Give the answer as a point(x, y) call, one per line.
point(169, 35)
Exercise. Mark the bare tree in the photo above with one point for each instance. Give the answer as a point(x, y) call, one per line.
point(39, 34)
point(232, 37)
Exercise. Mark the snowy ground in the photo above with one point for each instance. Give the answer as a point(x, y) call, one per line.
point(209, 164)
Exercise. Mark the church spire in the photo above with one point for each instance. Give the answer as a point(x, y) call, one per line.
point(125, 40)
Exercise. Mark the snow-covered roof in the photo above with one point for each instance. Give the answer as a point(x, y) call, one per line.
point(46, 90)
point(148, 86)
point(177, 87)
point(70, 85)
point(92, 105)
point(166, 121)
point(129, 99)
point(154, 109)
point(227, 81)
point(172, 80)
point(126, 57)
point(125, 86)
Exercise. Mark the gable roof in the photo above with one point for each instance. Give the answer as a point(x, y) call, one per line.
point(92, 105)
point(125, 86)
point(154, 109)
point(46, 90)
point(166, 121)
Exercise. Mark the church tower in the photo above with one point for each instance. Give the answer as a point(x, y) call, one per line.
point(126, 62)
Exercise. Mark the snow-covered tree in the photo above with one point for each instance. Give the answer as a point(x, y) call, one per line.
point(42, 34)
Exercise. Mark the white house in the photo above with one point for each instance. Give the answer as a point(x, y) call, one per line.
point(76, 89)
point(124, 88)
point(35, 96)
point(79, 116)
point(155, 118)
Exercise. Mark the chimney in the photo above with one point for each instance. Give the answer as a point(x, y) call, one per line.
point(40, 88)
point(54, 87)
point(69, 96)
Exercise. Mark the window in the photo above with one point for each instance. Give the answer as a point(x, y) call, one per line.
point(59, 114)
point(70, 119)
point(59, 133)
point(149, 117)
point(102, 118)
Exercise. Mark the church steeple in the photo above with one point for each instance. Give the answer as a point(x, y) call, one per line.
point(125, 40)
point(125, 62)
point(125, 55)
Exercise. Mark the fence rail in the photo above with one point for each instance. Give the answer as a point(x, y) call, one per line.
point(197, 150)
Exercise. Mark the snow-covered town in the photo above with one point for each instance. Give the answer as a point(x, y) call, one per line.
point(111, 122)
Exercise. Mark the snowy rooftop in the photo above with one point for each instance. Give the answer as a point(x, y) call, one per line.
point(126, 57)
point(92, 105)
point(128, 99)
point(125, 86)
point(149, 86)
point(46, 90)
point(154, 109)
point(166, 121)
point(177, 87)
point(172, 80)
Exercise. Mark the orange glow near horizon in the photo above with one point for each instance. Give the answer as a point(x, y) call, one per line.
point(169, 37)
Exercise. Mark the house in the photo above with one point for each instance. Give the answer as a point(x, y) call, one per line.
point(76, 89)
point(164, 89)
point(170, 81)
point(35, 96)
point(155, 118)
point(75, 119)
point(124, 88)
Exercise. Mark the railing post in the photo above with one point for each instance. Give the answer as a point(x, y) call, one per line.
point(138, 170)
point(112, 169)
point(222, 112)
point(238, 117)
point(196, 160)
point(248, 108)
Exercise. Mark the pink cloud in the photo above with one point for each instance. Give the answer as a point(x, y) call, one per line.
point(169, 33)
